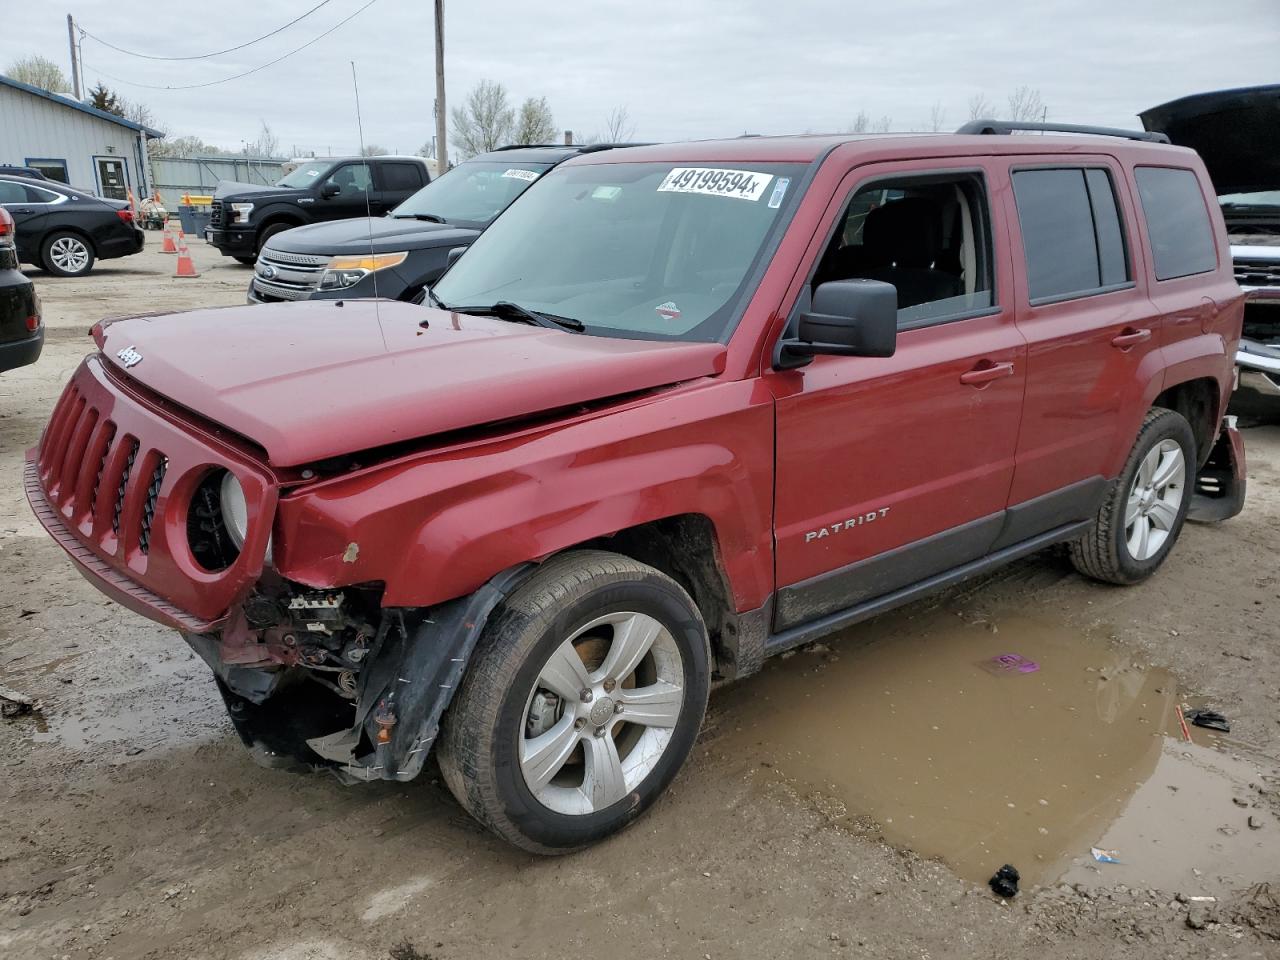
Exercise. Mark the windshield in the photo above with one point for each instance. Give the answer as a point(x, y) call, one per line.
point(1263, 198)
point(645, 250)
point(304, 176)
point(472, 193)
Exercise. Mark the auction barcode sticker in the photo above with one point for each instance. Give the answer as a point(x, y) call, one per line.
point(529, 175)
point(717, 182)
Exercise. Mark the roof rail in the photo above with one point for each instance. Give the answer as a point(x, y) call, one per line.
point(1010, 126)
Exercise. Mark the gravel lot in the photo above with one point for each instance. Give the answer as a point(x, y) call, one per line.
point(807, 823)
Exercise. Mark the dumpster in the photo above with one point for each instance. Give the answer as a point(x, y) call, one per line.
point(194, 219)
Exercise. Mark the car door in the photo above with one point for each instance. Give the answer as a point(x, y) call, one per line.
point(891, 470)
point(354, 196)
point(396, 181)
point(1092, 332)
point(29, 206)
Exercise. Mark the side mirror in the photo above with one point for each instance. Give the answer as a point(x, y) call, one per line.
point(453, 256)
point(330, 190)
point(850, 318)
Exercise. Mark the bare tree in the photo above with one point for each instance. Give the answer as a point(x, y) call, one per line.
point(187, 146)
point(619, 128)
point(861, 123)
point(267, 145)
point(883, 124)
point(40, 72)
point(980, 108)
point(535, 123)
point(937, 117)
point(484, 121)
point(1025, 105)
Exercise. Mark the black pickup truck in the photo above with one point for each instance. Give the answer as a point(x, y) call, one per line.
point(245, 215)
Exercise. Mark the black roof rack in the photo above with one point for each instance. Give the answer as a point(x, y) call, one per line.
point(1010, 126)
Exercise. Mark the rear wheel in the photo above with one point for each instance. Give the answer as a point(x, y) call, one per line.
point(581, 702)
point(1143, 514)
point(66, 254)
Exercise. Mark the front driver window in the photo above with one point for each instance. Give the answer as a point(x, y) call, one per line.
point(351, 179)
point(927, 236)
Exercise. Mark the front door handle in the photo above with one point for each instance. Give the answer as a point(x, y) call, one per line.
point(985, 372)
point(1130, 337)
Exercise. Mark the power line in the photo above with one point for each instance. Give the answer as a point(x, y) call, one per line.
point(214, 83)
point(206, 56)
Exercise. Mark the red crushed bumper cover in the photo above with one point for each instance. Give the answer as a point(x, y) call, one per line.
point(111, 481)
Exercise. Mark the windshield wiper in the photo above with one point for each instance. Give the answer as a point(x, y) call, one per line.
point(429, 217)
point(506, 310)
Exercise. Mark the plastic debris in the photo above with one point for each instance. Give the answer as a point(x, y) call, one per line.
point(1208, 719)
point(1007, 664)
point(1105, 856)
point(13, 703)
point(1005, 882)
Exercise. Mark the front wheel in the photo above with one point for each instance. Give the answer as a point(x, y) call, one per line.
point(1143, 514)
point(580, 704)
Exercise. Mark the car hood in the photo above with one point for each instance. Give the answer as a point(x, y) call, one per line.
point(313, 380)
point(227, 189)
point(1236, 132)
point(356, 236)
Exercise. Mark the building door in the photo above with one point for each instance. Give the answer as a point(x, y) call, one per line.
point(111, 178)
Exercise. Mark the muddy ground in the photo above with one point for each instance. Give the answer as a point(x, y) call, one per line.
point(847, 802)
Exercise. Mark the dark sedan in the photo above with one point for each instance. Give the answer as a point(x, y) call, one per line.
point(63, 229)
point(21, 332)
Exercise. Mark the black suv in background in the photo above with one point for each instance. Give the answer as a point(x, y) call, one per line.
point(21, 332)
point(246, 215)
point(399, 255)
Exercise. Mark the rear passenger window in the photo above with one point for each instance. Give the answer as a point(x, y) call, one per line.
point(401, 176)
point(1177, 222)
point(1072, 238)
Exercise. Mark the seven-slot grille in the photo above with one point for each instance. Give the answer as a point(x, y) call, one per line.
point(103, 483)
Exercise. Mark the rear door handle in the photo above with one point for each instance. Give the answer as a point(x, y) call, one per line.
point(1130, 337)
point(985, 372)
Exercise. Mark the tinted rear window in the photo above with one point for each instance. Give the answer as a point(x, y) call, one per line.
point(1177, 222)
point(1071, 233)
point(401, 176)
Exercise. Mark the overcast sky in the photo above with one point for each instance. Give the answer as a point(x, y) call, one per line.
point(684, 70)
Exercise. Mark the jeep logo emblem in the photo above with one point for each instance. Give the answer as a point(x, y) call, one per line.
point(129, 356)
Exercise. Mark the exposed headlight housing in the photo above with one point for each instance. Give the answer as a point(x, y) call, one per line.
point(240, 212)
point(348, 271)
point(235, 508)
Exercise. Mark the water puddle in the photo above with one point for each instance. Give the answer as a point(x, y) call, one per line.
point(1007, 740)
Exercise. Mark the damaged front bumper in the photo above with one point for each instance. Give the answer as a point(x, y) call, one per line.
point(395, 679)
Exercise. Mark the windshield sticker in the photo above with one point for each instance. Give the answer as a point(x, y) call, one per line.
point(779, 191)
point(313, 173)
point(668, 310)
point(605, 193)
point(742, 184)
point(528, 175)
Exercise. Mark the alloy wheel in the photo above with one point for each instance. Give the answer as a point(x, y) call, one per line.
point(1151, 511)
point(601, 713)
point(69, 254)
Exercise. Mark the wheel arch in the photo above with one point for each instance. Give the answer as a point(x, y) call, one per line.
point(79, 232)
point(1199, 402)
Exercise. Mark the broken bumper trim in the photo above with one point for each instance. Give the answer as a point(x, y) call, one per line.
point(1221, 483)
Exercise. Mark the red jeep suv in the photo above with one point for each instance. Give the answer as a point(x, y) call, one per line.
point(680, 408)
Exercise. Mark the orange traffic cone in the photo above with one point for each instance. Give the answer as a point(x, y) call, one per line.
point(169, 246)
point(186, 266)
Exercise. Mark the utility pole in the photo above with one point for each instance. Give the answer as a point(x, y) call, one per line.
point(75, 57)
point(442, 149)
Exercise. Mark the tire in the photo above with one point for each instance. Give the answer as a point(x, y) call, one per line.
point(269, 231)
point(1139, 521)
point(578, 603)
point(66, 254)
point(247, 261)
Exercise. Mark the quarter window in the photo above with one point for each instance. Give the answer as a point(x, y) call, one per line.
point(1177, 222)
point(401, 177)
point(1072, 238)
